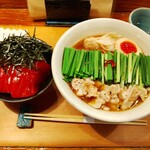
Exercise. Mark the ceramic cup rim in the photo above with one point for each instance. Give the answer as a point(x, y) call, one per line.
point(135, 11)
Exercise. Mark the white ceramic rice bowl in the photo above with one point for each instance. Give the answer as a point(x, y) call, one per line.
point(96, 27)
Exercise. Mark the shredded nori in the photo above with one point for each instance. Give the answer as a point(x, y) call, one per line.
point(22, 50)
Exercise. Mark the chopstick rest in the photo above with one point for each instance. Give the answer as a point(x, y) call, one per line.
point(23, 122)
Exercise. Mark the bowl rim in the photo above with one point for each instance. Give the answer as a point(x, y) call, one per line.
point(99, 114)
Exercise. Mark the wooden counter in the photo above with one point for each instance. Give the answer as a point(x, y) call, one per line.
point(16, 12)
point(51, 135)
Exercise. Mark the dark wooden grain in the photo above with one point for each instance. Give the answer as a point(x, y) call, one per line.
point(119, 5)
point(15, 12)
point(18, 16)
point(129, 5)
point(13, 4)
point(22, 17)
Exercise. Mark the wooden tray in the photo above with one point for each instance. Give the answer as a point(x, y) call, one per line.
point(52, 134)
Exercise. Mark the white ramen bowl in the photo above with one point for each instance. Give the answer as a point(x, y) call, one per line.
point(96, 27)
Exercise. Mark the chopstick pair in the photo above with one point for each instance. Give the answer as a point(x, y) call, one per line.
point(78, 119)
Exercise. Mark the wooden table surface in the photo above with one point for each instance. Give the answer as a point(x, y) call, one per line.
point(16, 13)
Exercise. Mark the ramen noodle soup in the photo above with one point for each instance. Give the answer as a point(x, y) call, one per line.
point(107, 72)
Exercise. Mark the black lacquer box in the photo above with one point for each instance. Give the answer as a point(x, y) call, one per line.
point(69, 12)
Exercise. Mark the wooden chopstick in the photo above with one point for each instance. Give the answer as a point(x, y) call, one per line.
point(52, 115)
point(78, 119)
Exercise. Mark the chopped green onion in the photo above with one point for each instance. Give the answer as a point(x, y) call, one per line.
point(91, 65)
point(123, 69)
point(96, 62)
point(130, 68)
point(117, 75)
point(102, 64)
point(108, 67)
point(79, 62)
point(70, 60)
